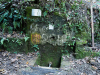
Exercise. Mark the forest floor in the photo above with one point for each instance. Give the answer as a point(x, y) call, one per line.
point(23, 64)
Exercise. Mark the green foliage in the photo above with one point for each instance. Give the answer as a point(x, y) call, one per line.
point(12, 16)
point(36, 47)
point(15, 45)
point(81, 53)
point(68, 47)
point(26, 38)
point(2, 40)
point(45, 13)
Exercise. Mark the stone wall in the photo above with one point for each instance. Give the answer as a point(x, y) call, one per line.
point(56, 36)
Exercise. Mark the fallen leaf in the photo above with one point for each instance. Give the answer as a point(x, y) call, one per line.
point(94, 68)
point(1, 70)
point(8, 35)
point(27, 63)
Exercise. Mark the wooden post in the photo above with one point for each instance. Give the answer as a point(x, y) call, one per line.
point(92, 25)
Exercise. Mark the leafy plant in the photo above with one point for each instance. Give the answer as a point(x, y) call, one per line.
point(45, 13)
point(36, 47)
point(2, 40)
point(12, 16)
point(26, 38)
point(19, 42)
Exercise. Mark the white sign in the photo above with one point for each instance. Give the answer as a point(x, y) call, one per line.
point(51, 27)
point(91, 1)
point(36, 12)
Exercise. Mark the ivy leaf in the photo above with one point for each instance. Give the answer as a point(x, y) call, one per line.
point(10, 15)
point(15, 24)
point(2, 40)
point(25, 17)
point(6, 13)
point(45, 13)
point(16, 11)
point(26, 38)
point(36, 46)
point(1, 19)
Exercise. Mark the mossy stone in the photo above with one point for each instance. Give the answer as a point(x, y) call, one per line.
point(81, 42)
point(29, 17)
point(29, 12)
point(61, 15)
point(82, 52)
point(16, 45)
point(83, 35)
point(49, 53)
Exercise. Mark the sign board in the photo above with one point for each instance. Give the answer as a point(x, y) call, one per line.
point(51, 27)
point(36, 12)
point(35, 38)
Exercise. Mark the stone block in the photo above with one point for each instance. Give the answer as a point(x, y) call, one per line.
point(16, 45)
point(49, 53)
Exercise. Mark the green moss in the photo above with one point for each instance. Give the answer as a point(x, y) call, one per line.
point(29, 12)
point(30, 19)
point(16, 45)
point(81, 52)
point(61, 15)
point(38, 61)
point(49, 53)
point(83, 35)
point(81, 42)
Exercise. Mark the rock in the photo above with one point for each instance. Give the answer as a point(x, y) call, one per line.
point(79, 62)
point(22, 59)
point(3, 54)
point(13, 60)
point(63, 57)
point(94, 72)
point(15, 65)
point(6, 53)
point(94, 68)
point(92, 61)
point(83, 74)
point(24, 66)
point(0, 59)
point(98, 72)
point(12, 74)
point(86, 58)
point(19, 55)
point(9, 35)
point(2, 71)
point(0, 34)
point(3, 62)
point(5, 59)
point(0, 63)
point(83, 60)
point(98, 59)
